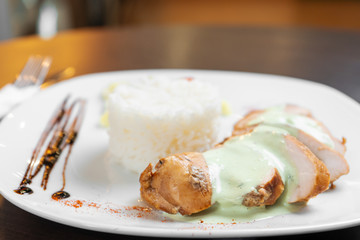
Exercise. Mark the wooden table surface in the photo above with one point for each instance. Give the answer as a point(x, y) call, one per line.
point(331, 57)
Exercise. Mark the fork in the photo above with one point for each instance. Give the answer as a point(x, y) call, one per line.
point(26, 84)
point(34, 72)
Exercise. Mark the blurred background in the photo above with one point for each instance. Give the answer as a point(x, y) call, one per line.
point(48, 17)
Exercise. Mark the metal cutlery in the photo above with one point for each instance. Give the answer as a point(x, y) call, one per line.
point(26, 84)
point(34, 72)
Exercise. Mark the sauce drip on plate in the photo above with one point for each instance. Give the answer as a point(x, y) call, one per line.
point(60, 195)
point(61, 132)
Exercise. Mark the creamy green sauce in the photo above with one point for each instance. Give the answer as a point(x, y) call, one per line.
point(238, 167)
point(242, 163)
point(219, 213)
point(277, 115)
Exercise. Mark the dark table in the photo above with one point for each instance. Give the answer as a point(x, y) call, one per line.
point(331, 57)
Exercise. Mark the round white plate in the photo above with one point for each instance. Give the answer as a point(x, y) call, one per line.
point(102, 195)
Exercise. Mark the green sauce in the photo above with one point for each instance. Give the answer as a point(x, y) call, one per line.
point(239, 214)
point(278, 116)
point(238, 167)
point(242, 163)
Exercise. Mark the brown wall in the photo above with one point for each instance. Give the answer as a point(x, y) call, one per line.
point(313, 13)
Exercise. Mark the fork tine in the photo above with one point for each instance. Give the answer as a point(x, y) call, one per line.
point(45, 65)
point(33, 75)
point(28, 76)
point(34, 71)
point(24, 77)
point(19, 80)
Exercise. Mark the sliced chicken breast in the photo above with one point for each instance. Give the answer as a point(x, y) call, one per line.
point(332, 157)
point(333, 160)
point(267, 193)
point(339, 145)
point(313, 176)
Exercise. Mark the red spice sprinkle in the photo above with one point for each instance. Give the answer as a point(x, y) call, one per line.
point(73, 203)
point(92, 204)
point(132, 211)
point(189, 79)
point(112, 210)
point(79, 203)
point(139, 208)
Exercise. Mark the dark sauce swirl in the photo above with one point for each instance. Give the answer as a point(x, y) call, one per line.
point(62, 130)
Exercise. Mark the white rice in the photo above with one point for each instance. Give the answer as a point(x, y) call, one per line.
point(154, 117)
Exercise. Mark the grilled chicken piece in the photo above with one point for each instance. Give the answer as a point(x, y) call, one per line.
point(339, 145)
point(180, 183)
point(294, 109)
point(332, 158)
point(266, 193)
point(244, 122)
point(313, 176)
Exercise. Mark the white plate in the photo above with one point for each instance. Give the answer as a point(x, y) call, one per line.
point(104, 190)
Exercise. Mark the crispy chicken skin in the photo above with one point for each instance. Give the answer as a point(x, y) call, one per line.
point(180, 183)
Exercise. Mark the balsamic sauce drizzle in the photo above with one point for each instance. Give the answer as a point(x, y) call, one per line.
point(61, 132)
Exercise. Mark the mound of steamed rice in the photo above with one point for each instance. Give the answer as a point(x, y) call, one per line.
point(152, 118)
